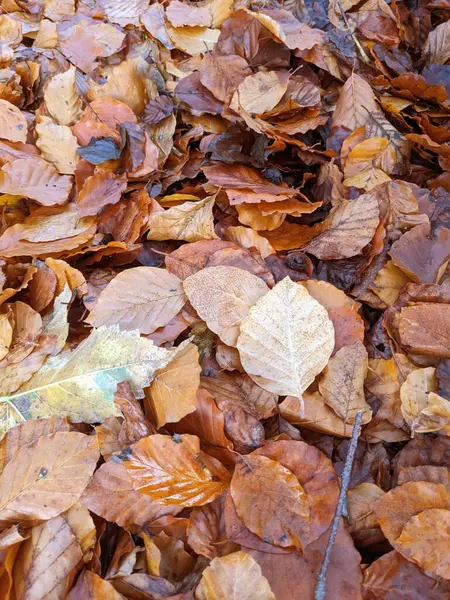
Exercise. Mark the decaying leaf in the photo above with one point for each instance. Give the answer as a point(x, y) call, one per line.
point(286, 339)
point(222, 297)
point(142, 298)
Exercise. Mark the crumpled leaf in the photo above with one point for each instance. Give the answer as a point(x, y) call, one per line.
point(191, 221)
point(46, 477)
point(234, 577)
point(173, 392)
point(36, 179)
point(80, 384)
point(342, 383)
point(142, 298)
point(13, 125)
point(349, 227)
point(222, 297)
point(175, 471)
point(286, 339)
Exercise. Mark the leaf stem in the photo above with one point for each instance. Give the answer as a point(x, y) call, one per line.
point(322, 578)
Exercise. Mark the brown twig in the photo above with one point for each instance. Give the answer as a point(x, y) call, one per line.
point(341, 507)
point(362, 52)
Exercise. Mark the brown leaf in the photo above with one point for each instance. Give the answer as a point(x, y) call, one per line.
point(110, 495)
point(342, 383)
point(143, 298)
point(234, 577)
point(222, 74)
point(46, 477)
point(13, 125)
point(363, 525)
point(173, 392)
point(98, 191)
point(91, 586)
point(270, 501)
point(349, 227)
point(175, 470)
point(437, 46)
point(422, 254)
point(261, 92)
point(222, 297)
point(37, 179)
point(424, 329)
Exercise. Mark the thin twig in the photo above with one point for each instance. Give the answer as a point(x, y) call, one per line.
point(342, 502)
point(362, 52)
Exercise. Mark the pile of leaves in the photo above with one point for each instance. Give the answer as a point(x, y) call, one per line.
point(224, 240)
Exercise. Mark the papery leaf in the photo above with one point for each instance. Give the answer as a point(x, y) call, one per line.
point(175, 470)
point(13, 125)
point(142, 298)
point(286, 339)
point(99, 150)
point(57, 144)
point(92, 586)
point(62, 99)
point(80, 384)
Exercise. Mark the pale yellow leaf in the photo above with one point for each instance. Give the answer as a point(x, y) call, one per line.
point(260, 92)
point(62, 99)
point(13, 125)
point(247, 238)
point(222, 297)
point(191, 221)
point(193, 40)
point(47, 36)
point(388, 283)
point(57, 144)
point(234, 577)
point(124, 12)
point(121, 82)
point(286, 339)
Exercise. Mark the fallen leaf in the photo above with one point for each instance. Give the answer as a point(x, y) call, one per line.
point(191, 221)
point(98, 191)
point(46, 477)
point(260, 487)
point(261, 92)
point(173, 392)
point(142, 298)
point(36, 179)
point(110, 495)
point(89, 585)
point(247, 238)
point(124, 13)
point(61, 97)
point(342, 383)
point(175, 470)
point(13, 125)
point(99, 150)
point(424, 329)
point(222, 297)
point(437, 46)
point(57, 144)
point(234, 577)
point(286, 339)
point(206, 531)
point(80, 385)
point(349, 227)
point(193, 40)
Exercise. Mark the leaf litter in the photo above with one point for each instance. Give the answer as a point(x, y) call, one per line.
point(225, 300)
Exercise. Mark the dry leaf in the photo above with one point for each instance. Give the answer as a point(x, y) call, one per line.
point(190, 221)
point(124, 13)
point(13, 125)
point(234, 577)
point(80, 385)
point(247, 238)
point(89, 585)
point(57, 144)
point(61, 97)
point(123, 83)
point(349, 227)
point(286, 339)
point(437, 46)
point(193, 40)
point(46, 477)
point(37, 179)
point(173, 392)
point(142, 298)
point(261, 92)
point(175, 470)
point(342, 383)
point(222, 297)
point(206, 532)
point(99, 190)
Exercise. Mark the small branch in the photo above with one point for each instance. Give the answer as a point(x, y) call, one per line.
point(341, 507)
point(362, 52)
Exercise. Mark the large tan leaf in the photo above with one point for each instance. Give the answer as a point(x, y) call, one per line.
point(260, 92)
point(46, 477)
point(437, 46)
point(342, 385)
point(57, 144)
point(37, 179)
point(193, 40)
point(100, 190)
point(234, 577)
point(286, 339)
point(124, 12)
point(143, 298)
point(348, 228)
point(211, 13)
point(222, 297)
point(173, 392)
point(191, 221)
point(62, 99)
point(270, 501)
point(13, 125)
point(48, 560)
point(110, 495)
point(80, 384)
point(121, 82)
point(173, 470)
point(248, 238)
